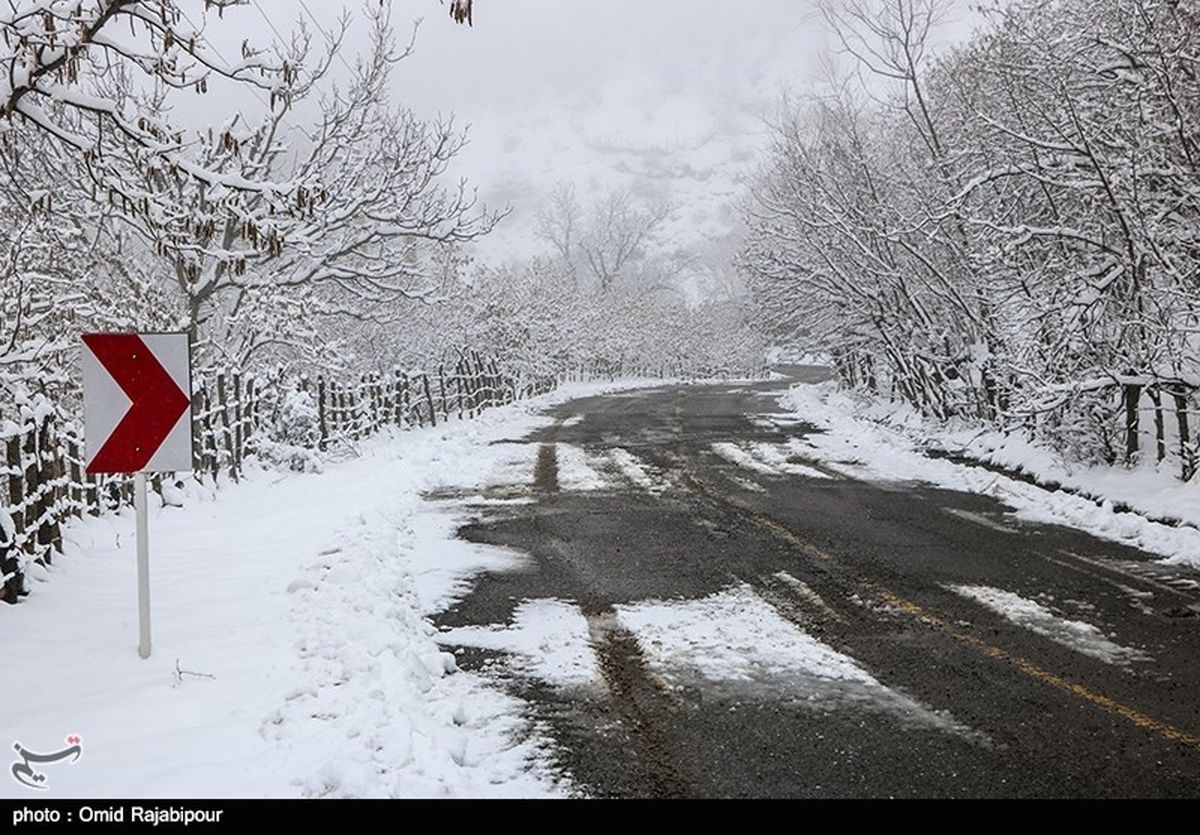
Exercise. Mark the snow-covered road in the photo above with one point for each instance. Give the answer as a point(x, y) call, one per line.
point(741, 590)
point(662, 590)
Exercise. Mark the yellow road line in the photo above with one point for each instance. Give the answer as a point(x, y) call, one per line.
point(1026, 666)
point(1079, 691)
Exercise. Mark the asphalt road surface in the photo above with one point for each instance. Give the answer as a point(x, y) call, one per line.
point(973, 703)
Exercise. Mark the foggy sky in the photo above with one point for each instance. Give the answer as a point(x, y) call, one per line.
point(584, 91)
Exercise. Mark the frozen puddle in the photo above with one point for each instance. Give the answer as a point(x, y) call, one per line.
point(771, 459)
point(1074, 634)
point(736, 639)
point(547, 640)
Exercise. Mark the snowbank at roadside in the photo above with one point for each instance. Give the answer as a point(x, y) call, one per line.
point(867, 438)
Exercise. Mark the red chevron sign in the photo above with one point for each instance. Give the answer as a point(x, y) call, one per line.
point(136, 392)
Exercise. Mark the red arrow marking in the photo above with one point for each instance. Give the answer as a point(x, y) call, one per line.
point(157, 405)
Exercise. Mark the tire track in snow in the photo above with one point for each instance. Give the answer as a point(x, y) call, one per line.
point(641, 701)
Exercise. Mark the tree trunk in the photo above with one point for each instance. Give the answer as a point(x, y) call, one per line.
point(1186, 457)
point(1133, 395)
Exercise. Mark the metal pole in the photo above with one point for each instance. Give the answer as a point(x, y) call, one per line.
point(143, 564)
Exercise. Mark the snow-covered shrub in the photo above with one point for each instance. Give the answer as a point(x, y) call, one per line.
point(292, 441)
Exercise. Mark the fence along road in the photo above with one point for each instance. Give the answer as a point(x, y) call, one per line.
point(43, 483)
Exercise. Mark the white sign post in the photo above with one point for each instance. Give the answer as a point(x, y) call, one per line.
point(136, 408)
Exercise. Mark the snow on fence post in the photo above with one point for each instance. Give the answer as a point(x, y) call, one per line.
point(249, 424)
point(349, 412)
point(339, 412)
point(371, 406)
point(397, 400)
point(354, 395)
point(331, 408)
point(31, 488)
point(428, 399)
point(469, 385)
point(75, 491)
point(93, 499)
point(10, 568)
point(362, 408)
point(377, 397)
point(500, 385)
point(322, 420)
point(442, 391)
point(366, 406)
point(406, 399)
point(387, 385)
point(16, 497)
point(481, 401)
point(208, 434)
point(225, 428)
point(458, 385)
point(237, 419)
point(49, 529)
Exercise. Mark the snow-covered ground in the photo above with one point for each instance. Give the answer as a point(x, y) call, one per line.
point(293, 652)
point(868, 439)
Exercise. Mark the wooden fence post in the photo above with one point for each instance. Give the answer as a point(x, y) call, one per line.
point(16, 487)
point(322, 419)
point(376, 403)
point(10, 566)
point(76, 493)
point(442, 391)
point(364, 406)
point(399, 415)
point(249, 425)
point(429, 399)
point(32, 491)
point(333, 408)
point(406, 391)
point(225, 429)
point(94, 500)
point(210, 434)
point(458, 385)
point(49, 531)
point(237, 420)
point(353, 395)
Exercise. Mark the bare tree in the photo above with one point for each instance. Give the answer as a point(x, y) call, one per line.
point(558, 223)
point(605, 242)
